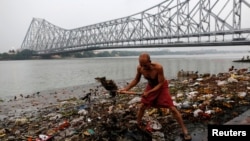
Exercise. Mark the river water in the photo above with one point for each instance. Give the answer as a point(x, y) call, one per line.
point(29, 76)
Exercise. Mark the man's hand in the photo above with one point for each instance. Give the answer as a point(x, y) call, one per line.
point(145, 94)
point(121, 91)
point(127, 92)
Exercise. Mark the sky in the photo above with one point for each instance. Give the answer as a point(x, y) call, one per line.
point(16, 15)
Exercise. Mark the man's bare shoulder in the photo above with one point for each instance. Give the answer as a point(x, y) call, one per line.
point(139, 68)
point(157, 65)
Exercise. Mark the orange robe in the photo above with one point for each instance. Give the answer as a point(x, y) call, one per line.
point(158, 99)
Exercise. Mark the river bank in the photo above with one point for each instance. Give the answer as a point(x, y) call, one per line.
point(20, 104)
point(67, 114)
point(26, 76)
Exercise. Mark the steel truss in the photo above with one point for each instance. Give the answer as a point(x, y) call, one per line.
point(172, 23)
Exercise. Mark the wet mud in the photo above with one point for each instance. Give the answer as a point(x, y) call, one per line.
point(92, 113)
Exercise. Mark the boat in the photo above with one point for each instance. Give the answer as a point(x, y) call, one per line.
point(243, 61)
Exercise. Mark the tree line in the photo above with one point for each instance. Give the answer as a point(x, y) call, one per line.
point(27, 54)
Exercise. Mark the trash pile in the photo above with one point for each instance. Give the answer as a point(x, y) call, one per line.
point(208, 99)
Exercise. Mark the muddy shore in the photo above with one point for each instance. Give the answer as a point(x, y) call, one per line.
point(67, 114)
point(20, 104)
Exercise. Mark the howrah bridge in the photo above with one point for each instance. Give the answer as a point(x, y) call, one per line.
point(171, 23)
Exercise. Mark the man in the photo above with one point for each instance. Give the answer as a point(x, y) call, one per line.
point(156, 93)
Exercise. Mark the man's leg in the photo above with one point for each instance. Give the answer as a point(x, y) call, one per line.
point(140, 113)
point(179, 119)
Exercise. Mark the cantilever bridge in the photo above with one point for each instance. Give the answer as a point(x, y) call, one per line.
point(172, 23)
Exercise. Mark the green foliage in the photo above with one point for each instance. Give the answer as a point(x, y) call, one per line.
point(23, 55)
point(78, 55)
point(88, 54)
point(103, 54)
point(27, 54)
point(5, 56)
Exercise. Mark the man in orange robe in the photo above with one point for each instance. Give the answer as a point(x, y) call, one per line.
point(156, 93)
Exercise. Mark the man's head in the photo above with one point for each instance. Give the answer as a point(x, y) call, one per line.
point(144, 60)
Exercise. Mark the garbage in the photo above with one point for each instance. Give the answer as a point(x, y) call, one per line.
point(21, 121)
point(242, 94)
point(155, 125)
point(55, 117)
point(214, 100)
point(197, 112)
point(158, 136)
point(89, 132)
point(43, 137)
point(63, 125)
point(134, 100)
point(82, 112)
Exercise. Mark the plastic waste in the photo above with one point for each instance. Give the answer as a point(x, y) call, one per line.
point(110, 109)
point(149, 128)
point(57, 116)
point(154, 125)
point(63, 125)
point(158, 136)
point(135, 100)
point(82, 107)
point(2, 133)
point(82, 112)
point(89, 132)
point(152, 111)
point(21, 121)
point(43, 137)
point(242, 94)
point(197, 111)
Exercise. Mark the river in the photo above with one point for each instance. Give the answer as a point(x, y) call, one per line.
point(29, 76)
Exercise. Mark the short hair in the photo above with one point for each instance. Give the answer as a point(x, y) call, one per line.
point(145, 56)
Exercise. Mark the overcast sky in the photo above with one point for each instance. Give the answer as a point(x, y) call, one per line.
point(16, 15)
